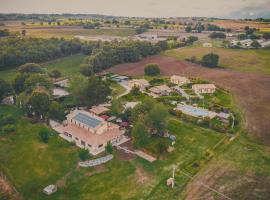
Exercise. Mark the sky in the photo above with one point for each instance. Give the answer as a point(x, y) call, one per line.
point(143, 8)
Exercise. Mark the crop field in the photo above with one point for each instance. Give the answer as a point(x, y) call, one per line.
point(239, 24)
point(67, 32)
point(243, 60)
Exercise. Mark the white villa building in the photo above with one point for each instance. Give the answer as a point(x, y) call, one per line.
point(141, 83)
point(161, 90)
point(204, 88)
point(179, 80)
point(91, 132)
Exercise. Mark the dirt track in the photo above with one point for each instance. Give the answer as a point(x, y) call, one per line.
point(251, 91)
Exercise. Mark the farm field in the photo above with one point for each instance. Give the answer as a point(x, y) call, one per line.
point(243, 60)
point(240, 24)
point(248, 89)
point(67, 32)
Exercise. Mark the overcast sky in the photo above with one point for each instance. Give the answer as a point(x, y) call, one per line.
point(147, 8)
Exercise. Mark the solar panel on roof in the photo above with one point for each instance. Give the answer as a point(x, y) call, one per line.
point(88, 120)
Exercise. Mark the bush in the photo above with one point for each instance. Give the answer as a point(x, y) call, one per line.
point(44, 135)
point(109, 148)
point(210, 60)
point(84, 154)
point(4, 120)
point(151, 70)
point(135, 91)
point(55, 73)
point(8, 129)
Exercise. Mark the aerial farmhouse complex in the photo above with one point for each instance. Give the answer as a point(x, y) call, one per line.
point(90, 132)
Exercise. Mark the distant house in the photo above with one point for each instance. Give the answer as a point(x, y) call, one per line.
point(179, 80)
point(242, 43)
point(91, 132)
point(50, 189)
point(206, 44)
point(161, 90)
point(59, 93)
point(98, 110)
point(8, 100)
point(62, 83)
point(141, 83)
point(119, 78)
point(131, 105)
point(264, 43)
point(246, 43)
point(204, 88)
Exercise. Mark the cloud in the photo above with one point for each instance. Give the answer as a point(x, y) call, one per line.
point(148, 8)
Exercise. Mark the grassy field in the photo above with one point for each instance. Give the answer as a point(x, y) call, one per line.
point(67, 66)
point(29, 164)
point(67, 32)
point(237, 59)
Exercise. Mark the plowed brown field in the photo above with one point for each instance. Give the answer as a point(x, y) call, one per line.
point(251, 91)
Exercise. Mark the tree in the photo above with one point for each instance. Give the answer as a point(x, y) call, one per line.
point(219, 35)
point(255, 44)
point(86, 70)
point(266, 36)
point(116, 107)
point(210, 60)
point(5, 89)
point(44, 135)
point(191, 39)
point(56, 111)
point(4, 33)
point(55, 73)
point(242, 36)
point(151, 70)
point(30, 68)
point(91, 91)
point(84, 154)
point(158, 117)
point(188, 29)
point(140, 135)
point(39, 102)
point(37, 80)
point(135, 91)
point(162, 146)
point(109, 148)
point(18, 82)
point(23, 32)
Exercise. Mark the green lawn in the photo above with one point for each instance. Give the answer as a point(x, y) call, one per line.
point(67, 66)
point(29, 164)
point(237, 59)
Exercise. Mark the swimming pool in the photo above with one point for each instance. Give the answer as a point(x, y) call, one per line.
point(195, 111)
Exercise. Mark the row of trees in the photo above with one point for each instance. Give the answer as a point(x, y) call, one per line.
point(15, 51)
point(118, 52)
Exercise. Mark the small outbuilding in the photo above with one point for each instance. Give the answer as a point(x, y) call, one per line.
point(50, 189)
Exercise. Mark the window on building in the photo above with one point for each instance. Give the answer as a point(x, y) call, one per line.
point(100, 145)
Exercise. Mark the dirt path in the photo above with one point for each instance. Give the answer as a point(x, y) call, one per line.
point(252, 91)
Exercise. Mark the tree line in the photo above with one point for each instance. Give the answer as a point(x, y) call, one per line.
point(15, 51)
point(116, 53)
